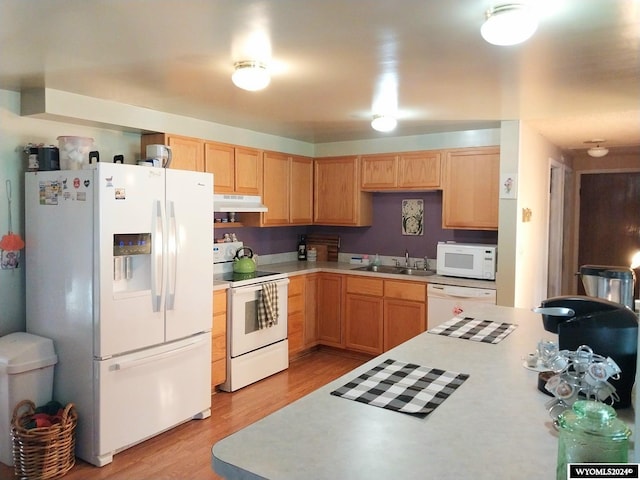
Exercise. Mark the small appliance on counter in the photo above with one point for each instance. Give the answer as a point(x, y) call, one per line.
point(609, 328)
point(609, 282)
point(467, 260)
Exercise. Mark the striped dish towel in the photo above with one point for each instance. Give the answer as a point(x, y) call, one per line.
point(474, 329)
point(268, 306)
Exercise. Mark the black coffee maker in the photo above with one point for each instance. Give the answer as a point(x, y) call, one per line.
point(609, 328)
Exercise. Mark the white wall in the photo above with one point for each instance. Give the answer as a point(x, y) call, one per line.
point(523, 245)
point(15, 132)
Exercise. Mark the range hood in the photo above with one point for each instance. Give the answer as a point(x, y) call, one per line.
point(238, 203)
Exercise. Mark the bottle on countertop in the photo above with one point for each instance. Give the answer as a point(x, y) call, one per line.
point(302, 248)
point(376, 261)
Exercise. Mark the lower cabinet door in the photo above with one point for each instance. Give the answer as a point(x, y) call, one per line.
point(364, 318)
point(403, 320)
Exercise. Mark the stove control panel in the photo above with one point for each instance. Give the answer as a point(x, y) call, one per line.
point(224, 252)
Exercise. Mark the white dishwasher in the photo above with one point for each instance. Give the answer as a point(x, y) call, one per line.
point(446, 301)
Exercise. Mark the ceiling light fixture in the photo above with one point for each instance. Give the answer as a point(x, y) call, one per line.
point(509, 24)
point(384, 123)
point(251, 75)
point(597, 151)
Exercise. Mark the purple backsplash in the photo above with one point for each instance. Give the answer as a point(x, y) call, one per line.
point(383, 237)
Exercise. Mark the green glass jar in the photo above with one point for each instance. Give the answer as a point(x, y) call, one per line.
point(591, 433)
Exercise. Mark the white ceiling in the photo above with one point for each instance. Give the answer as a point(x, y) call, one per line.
point(577, 79)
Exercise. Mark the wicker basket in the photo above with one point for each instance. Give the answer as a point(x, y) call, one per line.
point(43, 452)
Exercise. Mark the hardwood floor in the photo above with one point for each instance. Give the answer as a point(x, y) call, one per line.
point(184, 453)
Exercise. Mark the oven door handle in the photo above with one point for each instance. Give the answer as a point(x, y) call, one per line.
point(256, 287)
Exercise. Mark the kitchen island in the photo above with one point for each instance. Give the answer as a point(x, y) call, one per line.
point(495, 425)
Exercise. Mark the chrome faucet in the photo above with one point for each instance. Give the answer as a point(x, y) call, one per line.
point(406, 258)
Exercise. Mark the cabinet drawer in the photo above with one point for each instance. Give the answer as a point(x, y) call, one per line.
point(405, 290)
point(296, 286)
point(365, 285)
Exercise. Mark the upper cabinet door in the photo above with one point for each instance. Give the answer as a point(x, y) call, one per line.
point(275, 193)
point(470, 189)
point(186, 153)
point(219, 159)
point(418, 170)
point(337, 200)
point(379, 172)
point(235, 169)
point(401, 171)
point(301, 191)
point(248, 175)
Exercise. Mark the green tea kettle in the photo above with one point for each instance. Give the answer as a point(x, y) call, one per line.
point(244, 263)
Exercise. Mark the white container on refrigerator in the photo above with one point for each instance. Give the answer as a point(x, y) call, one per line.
point(447, 301)
point(119, 275)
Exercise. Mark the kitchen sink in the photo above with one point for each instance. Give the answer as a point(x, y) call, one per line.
point(397, 270)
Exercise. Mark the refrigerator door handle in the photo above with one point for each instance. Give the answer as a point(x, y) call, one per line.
point(126, 364)
point(172, 255)
point(157, 266)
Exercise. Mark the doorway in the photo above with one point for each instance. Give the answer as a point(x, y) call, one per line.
point(609, 222)
point(556, 222)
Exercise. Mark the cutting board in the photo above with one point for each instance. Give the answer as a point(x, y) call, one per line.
point(331, 242)
point(322, 250)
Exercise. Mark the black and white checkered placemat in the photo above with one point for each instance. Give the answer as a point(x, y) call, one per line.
point(474, 329)
point(403, 387)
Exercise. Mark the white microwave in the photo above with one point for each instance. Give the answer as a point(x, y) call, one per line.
point(467, 260)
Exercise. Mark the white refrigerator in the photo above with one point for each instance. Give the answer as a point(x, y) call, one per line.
point(119, 269)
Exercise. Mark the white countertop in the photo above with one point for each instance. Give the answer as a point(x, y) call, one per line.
point(301, 268)
point(494, 426)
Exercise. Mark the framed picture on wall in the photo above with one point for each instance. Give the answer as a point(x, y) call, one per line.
point(412, 217)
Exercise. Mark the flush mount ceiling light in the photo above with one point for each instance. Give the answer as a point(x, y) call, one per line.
point(383, 123)
point(251, 75)
point(509, 24)
point(597, 151)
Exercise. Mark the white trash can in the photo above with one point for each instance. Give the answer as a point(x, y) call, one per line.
point(26, 372)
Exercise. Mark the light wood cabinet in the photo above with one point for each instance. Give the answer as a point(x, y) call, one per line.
point(276, 188)
point(364, 314)
point(470, 189)
point(219, 339)
point(419, 170)
point(235, 169)
point(379, 172)
point(287, 191)
point(295, 315)
point(248, 174)
point(311, 310)
point(301, 191)
point(187, 153)
point(219, 159)
point(401, 171)
point(380, 314)
point(337, 199)
point(329, 309)
point(405, 312)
